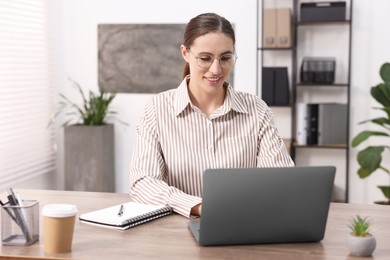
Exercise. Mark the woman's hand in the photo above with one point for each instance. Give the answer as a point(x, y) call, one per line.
point(196, 210)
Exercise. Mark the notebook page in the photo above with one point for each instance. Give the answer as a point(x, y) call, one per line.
point(131, 210)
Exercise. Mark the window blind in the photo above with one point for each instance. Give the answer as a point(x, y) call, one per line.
point(26, 94)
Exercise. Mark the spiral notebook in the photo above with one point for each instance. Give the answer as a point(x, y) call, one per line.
point(125, 215)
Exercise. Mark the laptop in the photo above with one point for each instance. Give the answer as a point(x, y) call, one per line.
point(264, 205)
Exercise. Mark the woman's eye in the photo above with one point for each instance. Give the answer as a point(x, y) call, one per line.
point(226, 58)
point(205, 58)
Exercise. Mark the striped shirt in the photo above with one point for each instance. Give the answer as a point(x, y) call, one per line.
point(177, 142)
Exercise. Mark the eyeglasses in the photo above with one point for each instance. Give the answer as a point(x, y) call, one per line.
point(205, 61)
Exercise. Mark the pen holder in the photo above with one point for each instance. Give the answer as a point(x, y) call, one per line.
point(20, 224)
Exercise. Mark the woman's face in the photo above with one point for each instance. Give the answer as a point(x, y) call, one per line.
point(209, 47)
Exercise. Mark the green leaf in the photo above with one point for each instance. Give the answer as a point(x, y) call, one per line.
point(382, 121)
point(361, 137)
point(381, 93)
point(385, 72)
point(387, 110)
point(363, 173)
point(360, 226)
point(369, 159)
point(379, 120)
point(385, 190)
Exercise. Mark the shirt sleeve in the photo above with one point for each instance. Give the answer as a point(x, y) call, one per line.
point(271, 149)
point(148, 172)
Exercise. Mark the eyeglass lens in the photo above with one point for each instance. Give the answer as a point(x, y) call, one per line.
point(205, 61)
point(226, 60)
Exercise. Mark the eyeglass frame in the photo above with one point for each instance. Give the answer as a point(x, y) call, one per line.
point(214, 58)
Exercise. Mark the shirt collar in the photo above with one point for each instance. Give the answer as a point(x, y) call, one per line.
point(232, 99)
point(182, 97)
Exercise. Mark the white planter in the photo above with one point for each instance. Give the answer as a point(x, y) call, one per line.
point(361, 246)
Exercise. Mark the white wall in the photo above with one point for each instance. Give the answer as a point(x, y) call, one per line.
point(75, 39)
point(46, 181)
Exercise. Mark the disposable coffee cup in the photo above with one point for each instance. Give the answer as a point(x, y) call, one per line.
point(58, 227)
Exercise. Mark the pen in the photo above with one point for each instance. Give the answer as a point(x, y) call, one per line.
point(120, 211)
point(18, 214)
point(14, 199)
point(9, 212)
point(24, 217)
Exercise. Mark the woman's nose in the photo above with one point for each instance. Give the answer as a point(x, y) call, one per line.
point(215, 67)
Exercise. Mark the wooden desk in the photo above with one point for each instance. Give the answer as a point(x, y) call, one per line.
point(169, 237)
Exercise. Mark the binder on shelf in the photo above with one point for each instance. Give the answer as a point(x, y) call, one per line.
point(281, 93)
point(321, 124)
point(267, 86)
point(274, 88)
point(332, 124)
point(312, 124)
point(301, 132)
point(125, 216)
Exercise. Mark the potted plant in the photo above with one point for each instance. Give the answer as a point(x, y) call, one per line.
point(88, 141)
point(370, 158)
point(93, 111)
point(360, 241)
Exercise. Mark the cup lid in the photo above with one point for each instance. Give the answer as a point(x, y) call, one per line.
point(59, 210)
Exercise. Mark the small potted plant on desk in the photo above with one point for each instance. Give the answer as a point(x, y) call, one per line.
point(88, 142)
point(360, 241)
point(370, 159)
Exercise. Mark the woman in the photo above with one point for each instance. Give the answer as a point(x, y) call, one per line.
point(202, 124)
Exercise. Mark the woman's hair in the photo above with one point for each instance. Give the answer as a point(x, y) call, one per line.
point(204, 24)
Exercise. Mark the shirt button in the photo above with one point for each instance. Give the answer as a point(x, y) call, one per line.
point(209, 122)
point(210, 147)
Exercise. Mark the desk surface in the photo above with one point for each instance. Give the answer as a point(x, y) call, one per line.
point(169, 237)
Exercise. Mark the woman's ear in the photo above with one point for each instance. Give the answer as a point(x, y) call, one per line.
point(184, 52)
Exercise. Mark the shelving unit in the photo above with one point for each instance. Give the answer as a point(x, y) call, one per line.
point(305, 33)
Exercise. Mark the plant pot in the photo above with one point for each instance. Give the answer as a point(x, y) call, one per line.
point(89, 158)
point(361, 246)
